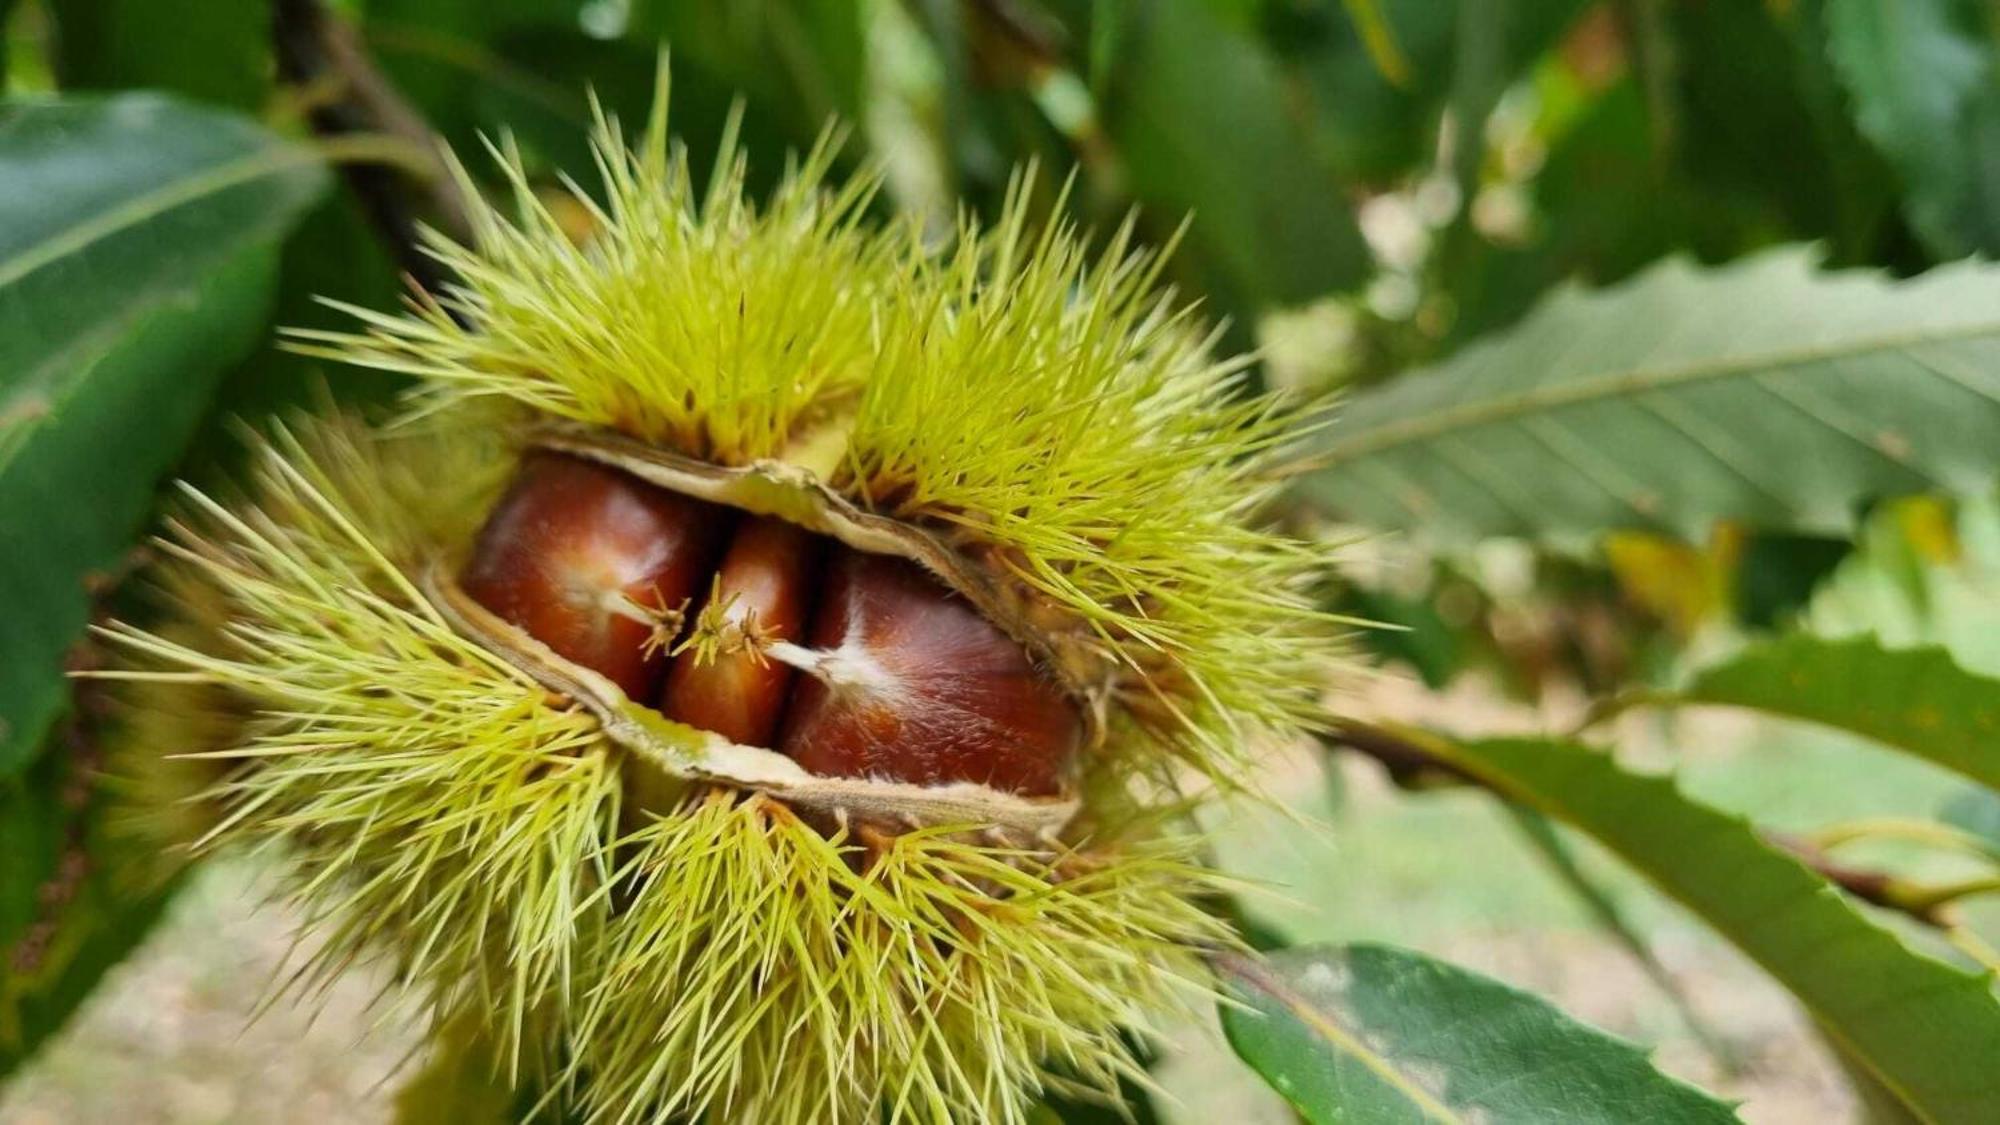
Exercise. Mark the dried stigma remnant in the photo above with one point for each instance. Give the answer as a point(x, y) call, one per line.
point(852, 664)
point(756, 679)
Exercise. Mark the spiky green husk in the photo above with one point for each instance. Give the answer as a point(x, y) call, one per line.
point(1061, 420)
point(437, 802)
point(809, 978)
point(160, 802)
point(711, 955)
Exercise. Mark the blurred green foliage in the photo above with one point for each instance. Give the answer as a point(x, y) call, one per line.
point(1362, 187)
point(1488, 148)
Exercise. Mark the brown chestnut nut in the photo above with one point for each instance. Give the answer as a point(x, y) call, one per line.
point(721, 680)
point(909, 683)
point(595, 563)
point(891, 675)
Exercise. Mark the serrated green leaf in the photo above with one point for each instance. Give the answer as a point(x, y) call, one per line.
point(1926, 93)
point(1373, 1034)
point(1926, 1030)
point(137, 243)
point(1766, 391)
point(1917, 700)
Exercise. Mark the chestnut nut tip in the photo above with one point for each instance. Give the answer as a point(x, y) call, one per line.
point(722, 678)
point(854, 664)
point(595, 563)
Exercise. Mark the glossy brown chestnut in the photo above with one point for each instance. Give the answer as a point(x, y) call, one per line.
point(915, 686)
point(760, 597)
point(854, 664)
point(592, 561)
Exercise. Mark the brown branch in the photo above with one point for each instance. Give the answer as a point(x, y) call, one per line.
point(1411, 766)
point(1878, 888)
point(1029, 32)
point(320, 55)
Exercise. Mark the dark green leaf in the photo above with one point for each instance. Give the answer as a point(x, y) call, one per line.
point(1495, 42)
point(1199, 116)
point(74, 899)
point(533, 82)
point(804, 61)
point(6, 47)
point(1604, 208)
point(1372, 1034)
point(216, 50)
point(1416, 632)
point(1764, 391)
point(1764, 123)
point(137, 241)
point(1917, 700)
point(1367, 128)
point(1926, 92)
point(1717, 151)
point(1926, 1030)
point(1777, 574)
point(332, 253)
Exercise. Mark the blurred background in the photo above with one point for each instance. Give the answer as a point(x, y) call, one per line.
point(1360, 188)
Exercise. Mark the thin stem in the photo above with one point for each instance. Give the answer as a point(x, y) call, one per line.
point(1605, 710)
point(1975, 947)
point(1902, 828)
point(1412, 765)
point(1937, 896)
point(317, 51)
point(383, 149)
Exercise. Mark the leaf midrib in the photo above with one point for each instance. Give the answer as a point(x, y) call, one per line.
point(1508, 785)
point(212, 180)
point(1248, 971)
point(208, 182)
point(1626, 382)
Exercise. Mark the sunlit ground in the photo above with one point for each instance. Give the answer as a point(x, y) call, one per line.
point(174, 1036)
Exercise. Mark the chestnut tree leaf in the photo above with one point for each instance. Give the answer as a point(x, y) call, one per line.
point(1926, 93)
point(215, 51)
point(1926, 1031)
point(138, 240)
point(1373, 1034)
point(1767, 391)
point(1917, 700)
point(1204, 126)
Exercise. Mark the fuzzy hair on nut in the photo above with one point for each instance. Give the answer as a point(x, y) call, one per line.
point(637, 919)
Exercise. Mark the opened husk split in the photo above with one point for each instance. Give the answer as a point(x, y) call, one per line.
point(643, 920)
